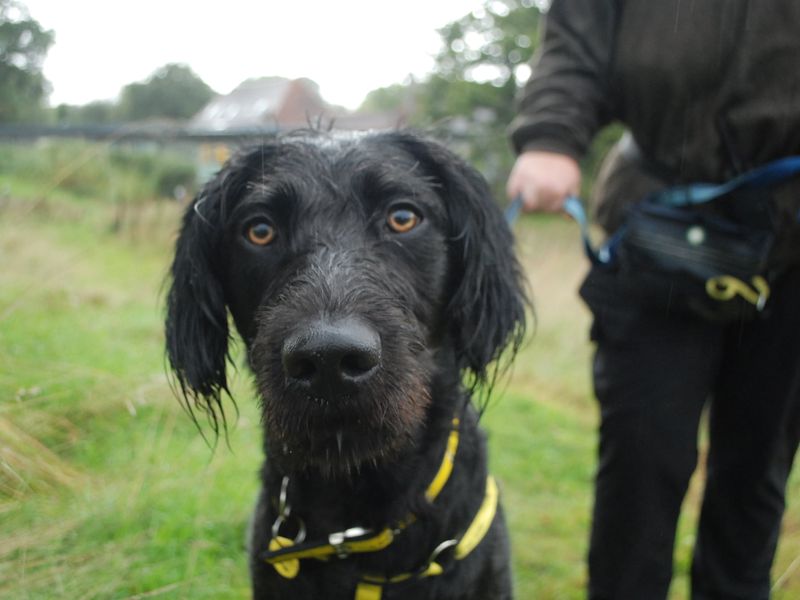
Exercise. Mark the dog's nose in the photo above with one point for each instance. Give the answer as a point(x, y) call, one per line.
point(325, 356)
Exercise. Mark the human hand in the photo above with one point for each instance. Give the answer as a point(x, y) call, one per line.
point(544, 180)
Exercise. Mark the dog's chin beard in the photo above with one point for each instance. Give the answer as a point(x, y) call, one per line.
point(340, 438)
point(345, 458)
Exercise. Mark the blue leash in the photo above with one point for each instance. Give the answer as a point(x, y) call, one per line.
point(605, 254)
point(774, 172)
point(513, 210)
point(574, 208)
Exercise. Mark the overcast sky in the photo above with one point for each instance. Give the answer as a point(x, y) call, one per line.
point(348, 47)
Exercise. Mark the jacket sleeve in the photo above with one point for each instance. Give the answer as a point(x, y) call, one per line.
point(567, 98)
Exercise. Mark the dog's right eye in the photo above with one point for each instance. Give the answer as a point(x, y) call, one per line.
point(261, 233)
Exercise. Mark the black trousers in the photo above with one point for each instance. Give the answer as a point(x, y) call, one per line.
point(653, 376)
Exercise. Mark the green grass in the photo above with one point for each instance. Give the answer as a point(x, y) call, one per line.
point(119, 172)
point(108, 491)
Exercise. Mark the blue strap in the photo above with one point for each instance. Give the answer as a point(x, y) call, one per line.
point(513, 209)
point(772, 173)
point(574, 208)
point(603, 255)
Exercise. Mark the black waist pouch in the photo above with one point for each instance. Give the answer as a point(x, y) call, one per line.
point(702, 249)
point(694, 260)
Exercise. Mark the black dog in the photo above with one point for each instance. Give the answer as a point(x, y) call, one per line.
point(368, 275)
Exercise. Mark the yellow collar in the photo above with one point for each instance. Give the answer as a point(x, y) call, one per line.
point(371, 587)
point(285, 554)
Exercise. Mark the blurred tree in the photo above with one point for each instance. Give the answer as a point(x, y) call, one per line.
point(479, 69)
point(483, 63)
point(97, 112)
point(23, 47)
point(490, 47)
point(493, 44)
point(393, 97)
point(173, 91)
point(471, 116)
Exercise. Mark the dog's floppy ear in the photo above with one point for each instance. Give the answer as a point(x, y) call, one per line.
point(486, 309)
point(197, 330)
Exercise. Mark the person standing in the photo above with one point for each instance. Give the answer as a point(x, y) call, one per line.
point(707, 89)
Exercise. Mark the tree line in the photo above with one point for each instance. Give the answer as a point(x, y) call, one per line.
point(173, 91)
point(476, 73)
point(469, 97)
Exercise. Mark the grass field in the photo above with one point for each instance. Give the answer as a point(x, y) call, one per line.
point(108, 491)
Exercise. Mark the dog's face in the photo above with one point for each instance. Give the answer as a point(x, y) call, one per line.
point(355, 268)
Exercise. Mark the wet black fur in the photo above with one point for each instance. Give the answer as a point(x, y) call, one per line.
point(445, 298)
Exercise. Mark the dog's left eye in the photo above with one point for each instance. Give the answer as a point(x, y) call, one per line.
point(402, 220)
point(261, 233)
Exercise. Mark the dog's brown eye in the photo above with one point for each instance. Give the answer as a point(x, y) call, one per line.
point(261, 233)
point(402, 220)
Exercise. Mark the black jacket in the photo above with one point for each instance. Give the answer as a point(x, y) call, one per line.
point(707, 88)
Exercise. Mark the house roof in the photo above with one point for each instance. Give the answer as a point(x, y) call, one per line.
point(254, 103)
point(278, 103)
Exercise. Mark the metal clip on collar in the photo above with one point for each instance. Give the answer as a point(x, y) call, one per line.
point(284, 513)
point(340, 539)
